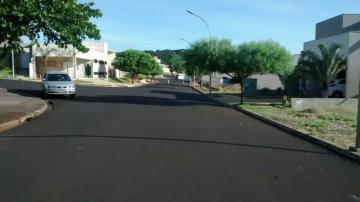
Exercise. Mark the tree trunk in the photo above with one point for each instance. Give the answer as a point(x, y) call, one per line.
point(285, 94)
point(45, 66)
point(285, 98)
point(132, 78)
point(325, 93)
point(242, 91)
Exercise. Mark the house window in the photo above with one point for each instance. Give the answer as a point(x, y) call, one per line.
point(101, 62)
point(95, 61)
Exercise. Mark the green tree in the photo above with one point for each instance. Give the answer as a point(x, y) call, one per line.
point(146, 63)
point(176, 64)
point(156, 70)
point(135, 62)
point(192, 65)
point(212, 56)
point(61, 22)
point(324, 67)
point(128, 61)
point(257, 57)
point(279, 62)
point(165, 55)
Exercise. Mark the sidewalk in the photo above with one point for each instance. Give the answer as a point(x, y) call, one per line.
point(16, 109)
point(105, 83)
point(235, 99)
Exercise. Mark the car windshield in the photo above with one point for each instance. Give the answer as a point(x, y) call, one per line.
point(58, 77)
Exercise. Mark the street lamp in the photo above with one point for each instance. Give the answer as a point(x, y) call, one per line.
point(202, 19)
point(182, 39)
point(357, 140)
point(208, 27)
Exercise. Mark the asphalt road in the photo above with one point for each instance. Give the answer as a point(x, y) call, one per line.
point(161, 143)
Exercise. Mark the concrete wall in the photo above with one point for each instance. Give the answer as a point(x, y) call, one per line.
point(342, 39)
point(351, 22)
point(110, 59)
point(350, 105)
point(353, 71)
point(330, 27)
point(270, 81)
point(338, 25)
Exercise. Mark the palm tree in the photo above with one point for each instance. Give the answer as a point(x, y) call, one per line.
point(323, 68)
point(45, 53)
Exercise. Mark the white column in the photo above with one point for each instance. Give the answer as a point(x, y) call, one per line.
point(13, 64)
point(75, 66)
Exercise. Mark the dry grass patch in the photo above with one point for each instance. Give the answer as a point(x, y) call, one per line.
point(336, 127)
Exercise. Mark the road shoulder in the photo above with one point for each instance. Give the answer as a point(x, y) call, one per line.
point(354, 156)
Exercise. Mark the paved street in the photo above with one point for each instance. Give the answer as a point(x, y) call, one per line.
point(161, 143)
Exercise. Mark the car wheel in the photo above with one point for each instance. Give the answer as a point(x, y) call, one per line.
point(337, 94)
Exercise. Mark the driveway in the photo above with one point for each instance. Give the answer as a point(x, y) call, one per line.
point(161, 143)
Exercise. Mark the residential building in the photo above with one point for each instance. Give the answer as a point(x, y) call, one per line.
point(92, 64)
point(165, 68)
point(114, 73)
point(345, 31)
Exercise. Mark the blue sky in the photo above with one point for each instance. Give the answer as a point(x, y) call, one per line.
point(159, 24)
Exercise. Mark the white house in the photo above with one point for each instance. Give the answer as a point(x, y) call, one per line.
point(345, 31)
point(165, 68)
point(93, 64)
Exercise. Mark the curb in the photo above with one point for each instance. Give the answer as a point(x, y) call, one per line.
point(342, 152)
point(25, 118)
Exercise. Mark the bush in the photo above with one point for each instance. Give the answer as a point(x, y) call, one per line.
point(141, 77)
point(5, 72)
point(167, 75)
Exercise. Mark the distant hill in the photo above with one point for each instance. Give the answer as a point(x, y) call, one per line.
point(165, 55)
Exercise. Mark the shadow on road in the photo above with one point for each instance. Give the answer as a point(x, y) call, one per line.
point(181, 100)
point(168, 139)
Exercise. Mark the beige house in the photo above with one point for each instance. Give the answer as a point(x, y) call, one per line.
point(93, 64)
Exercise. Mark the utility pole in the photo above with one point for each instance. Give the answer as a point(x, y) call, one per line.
point(357, 140)
point(357, 144)
point(208, 27)
point(13, 63)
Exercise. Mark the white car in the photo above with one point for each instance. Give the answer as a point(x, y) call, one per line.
point(337, 88)
point(180, 77)
point(58, 83)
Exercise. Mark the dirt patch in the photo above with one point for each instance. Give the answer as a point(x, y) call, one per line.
point(10, 116)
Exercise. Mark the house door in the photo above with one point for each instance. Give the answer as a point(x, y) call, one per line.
point(69, 69)
point(87, 70)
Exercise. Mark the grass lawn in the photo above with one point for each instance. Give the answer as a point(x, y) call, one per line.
point(121, 80)
point(335, 127)
point(5, 72)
